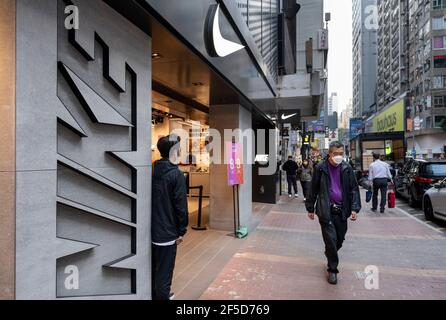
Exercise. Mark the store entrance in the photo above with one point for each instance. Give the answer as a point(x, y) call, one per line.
point(170, 115)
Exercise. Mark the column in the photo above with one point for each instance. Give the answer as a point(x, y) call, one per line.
point(7, 148)
point(221, 214)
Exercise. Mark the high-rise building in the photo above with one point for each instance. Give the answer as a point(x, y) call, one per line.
point(346, 115)
point(427, 75)
point(393, 42)
point(333, 103)
point(364, 56)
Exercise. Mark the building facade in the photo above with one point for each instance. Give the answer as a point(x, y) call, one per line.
point(393, 49)
point(79, 83)
point(427, 110)
point(333, 103)
point(364, 56)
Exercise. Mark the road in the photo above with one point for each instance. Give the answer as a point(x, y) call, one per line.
point(419, 215)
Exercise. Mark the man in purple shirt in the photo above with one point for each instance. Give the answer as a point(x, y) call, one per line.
point(334, 198)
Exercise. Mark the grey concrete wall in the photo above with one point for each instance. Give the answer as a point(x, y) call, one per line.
point(7, 148)
point(83, 153)
point(223, 117)
point(310, 20)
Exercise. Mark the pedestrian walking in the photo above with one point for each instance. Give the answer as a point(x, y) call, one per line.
point(169, 218)
point(290, 167)
point(334, 198)
point(379, 176)
point(305, 174)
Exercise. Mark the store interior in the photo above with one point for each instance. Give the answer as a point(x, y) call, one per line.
point(168, 115)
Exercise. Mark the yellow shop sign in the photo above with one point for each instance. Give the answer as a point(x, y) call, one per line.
point(391, 119)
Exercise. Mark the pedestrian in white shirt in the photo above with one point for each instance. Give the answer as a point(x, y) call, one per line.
point(379, 176)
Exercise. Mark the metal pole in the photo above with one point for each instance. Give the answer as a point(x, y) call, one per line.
point(235, 215)
point(200, 205)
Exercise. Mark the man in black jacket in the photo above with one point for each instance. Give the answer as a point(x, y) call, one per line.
point(334, 197)
point(169, 217)
point(290, 167)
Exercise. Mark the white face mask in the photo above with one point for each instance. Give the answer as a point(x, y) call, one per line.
point(338, 159)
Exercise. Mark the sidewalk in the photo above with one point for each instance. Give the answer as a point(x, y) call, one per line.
point(283, 259)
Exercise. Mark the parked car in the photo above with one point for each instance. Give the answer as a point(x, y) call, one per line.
point(418, 176)
point(434, 202)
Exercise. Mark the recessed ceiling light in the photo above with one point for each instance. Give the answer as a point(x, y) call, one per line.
point(198, 84)
point(156, 56)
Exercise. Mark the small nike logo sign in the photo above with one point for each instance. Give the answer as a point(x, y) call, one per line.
point(217, 45)
point(287, 117)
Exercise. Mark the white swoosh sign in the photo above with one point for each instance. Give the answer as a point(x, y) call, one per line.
point(287, 117)
point(221, 46)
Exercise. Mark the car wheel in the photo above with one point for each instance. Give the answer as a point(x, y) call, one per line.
point(428, 210)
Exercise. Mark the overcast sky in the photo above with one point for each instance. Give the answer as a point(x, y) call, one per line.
point(340, 50)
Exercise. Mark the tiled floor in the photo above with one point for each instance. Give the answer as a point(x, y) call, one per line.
point(203, 254)
point(283, 259)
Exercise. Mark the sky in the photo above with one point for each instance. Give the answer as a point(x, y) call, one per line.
point(340, 50)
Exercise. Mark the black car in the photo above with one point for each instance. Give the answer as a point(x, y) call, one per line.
point(417, 176)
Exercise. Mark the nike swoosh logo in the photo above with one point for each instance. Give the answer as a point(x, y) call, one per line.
point(221, 46)
point(287, 117)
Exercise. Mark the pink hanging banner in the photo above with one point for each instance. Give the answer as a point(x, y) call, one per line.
point(235, 166)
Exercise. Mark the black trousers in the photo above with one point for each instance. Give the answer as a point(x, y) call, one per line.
point(333, 233)
point(379, 184)
point(163, 263)
point(292, 181)
point(305, 187)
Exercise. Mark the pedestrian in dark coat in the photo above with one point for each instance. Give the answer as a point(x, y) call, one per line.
point(334, 198)
point(290, 167)
point(169, 218)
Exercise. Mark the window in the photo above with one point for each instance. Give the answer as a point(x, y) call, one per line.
point(438, 82)
point(439, 42)
point(439, 101)
point(439, 61)
point(438, 123)
point(438, 23)
point(438, 4)
point(428, 122)
point(437, 169)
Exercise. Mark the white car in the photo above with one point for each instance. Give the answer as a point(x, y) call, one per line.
point(434, 202)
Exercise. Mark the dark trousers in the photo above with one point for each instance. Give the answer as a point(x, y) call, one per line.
point(163, 263)
point(305, 187)
point(379, 184)
point(292, 181)
point(333, 233)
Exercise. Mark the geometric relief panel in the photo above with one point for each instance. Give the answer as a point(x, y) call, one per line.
point(96, 185)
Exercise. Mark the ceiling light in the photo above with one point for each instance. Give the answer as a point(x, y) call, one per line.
point(198, 84)
point(156, 56)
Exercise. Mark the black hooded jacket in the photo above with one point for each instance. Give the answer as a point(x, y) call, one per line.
point(169, 202)
point(319, 199)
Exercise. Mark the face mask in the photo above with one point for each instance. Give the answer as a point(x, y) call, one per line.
point(338, 159)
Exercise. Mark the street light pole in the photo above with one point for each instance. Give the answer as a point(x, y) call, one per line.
point(414, 152)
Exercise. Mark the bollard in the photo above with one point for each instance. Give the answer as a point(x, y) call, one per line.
point(199, 227)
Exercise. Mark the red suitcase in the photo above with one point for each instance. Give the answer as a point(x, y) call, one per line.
point(392, 199)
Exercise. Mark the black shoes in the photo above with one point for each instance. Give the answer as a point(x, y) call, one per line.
point(374, 210)
point(381, 211)
point(332, 278)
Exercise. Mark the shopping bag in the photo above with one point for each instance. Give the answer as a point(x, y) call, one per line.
point(368, 196)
